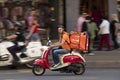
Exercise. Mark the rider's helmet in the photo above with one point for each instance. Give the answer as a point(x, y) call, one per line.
point(18, 25)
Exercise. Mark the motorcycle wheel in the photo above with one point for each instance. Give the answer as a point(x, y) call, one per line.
point(80, 69)
point(29, 65)
point(38, 70)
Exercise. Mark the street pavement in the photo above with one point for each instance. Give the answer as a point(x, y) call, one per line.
point(103, 59)
point(90, 74)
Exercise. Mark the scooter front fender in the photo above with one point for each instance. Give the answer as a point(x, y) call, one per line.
point(40, 62)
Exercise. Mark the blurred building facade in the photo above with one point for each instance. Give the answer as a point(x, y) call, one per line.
point(75, 7)
point(66, 12)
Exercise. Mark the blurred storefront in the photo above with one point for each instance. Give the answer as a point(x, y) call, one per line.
point(47, 12)
point(75, 7)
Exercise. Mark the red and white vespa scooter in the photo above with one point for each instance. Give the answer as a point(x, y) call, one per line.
point(71, 62)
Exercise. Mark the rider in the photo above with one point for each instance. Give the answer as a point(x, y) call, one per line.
point(18, 37)
point(60, 47)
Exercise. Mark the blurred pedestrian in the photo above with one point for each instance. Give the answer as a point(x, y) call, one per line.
point(30, 17)
point(89, 26)
point(114, 30)
point(33, 34)
point(80, 21)
point(92, 27)
point(104, 34)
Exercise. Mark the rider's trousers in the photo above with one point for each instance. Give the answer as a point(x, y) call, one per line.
point(56, 51)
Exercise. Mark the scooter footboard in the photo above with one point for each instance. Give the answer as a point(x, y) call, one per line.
point(39, 62)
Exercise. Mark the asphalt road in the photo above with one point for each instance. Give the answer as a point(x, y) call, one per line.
point(90, 74)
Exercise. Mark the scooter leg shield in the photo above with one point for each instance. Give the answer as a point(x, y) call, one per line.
point(40, 62)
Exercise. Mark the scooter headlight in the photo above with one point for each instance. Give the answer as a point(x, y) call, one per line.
point(36, 59)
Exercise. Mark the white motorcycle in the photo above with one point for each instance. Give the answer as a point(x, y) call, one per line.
point(27, 56)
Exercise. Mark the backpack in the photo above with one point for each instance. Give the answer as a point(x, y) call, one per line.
point(78, 41)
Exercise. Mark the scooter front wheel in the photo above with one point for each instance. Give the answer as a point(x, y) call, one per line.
point(80, 69)
point(38, 70)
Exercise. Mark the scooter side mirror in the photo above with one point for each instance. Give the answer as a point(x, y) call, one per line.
point(49, 43)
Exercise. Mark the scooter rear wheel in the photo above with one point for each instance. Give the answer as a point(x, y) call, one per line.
point(38, 70)
point(80, 69)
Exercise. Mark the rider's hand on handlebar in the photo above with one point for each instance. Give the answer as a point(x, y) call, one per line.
point(51, 45)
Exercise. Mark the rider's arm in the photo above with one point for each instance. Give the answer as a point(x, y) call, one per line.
point(11, 37)
point(57, 43)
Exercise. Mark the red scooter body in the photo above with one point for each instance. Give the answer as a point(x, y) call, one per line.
point(43, 61)
point(72, 59)
point(71, 62)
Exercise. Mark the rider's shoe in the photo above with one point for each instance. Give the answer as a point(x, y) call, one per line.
point(16, 59)
point(57, 65)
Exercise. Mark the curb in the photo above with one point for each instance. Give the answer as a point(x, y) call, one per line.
point(103, 64)
point(103, 59)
